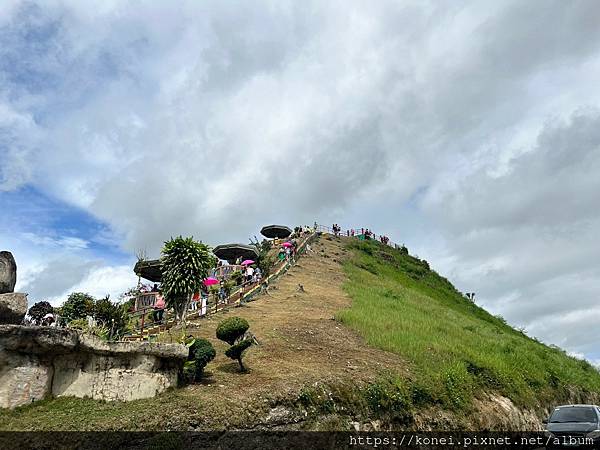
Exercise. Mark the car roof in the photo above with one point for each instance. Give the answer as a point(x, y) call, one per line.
point(578, 405)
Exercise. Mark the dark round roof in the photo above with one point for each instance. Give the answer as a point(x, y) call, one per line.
point(275, 231)
point(231, 252)
point(149, 270)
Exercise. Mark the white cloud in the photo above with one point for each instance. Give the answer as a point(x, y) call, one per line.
point(64, 243)
point(102, 281)
point(468, 128)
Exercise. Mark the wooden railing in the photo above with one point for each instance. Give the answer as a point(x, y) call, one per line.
point(214, 303)
point(224, 272)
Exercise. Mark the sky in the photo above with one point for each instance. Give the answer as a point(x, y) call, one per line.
point(469, 131)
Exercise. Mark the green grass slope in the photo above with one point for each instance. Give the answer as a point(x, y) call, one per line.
point(457, 349)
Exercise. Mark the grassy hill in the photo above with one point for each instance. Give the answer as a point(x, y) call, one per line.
point(405, 351)
point(457, 350)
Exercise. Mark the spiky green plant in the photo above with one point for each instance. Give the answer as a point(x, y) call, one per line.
point(185, 264)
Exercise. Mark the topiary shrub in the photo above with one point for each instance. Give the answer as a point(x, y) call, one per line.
point(236, 351)
point(201, 352)
point(231, 329)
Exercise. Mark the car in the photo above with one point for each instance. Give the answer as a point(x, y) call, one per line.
point(574, 426)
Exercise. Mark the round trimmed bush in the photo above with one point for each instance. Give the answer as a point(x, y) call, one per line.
point(201, 352)
point(230, 330)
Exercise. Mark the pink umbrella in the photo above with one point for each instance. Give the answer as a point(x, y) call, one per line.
point(286, 244)
point(210, 281)
point(247, 262)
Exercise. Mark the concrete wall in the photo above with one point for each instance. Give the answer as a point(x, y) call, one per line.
point(39, 361)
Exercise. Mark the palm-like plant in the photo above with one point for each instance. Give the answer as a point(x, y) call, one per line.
point(185, 264)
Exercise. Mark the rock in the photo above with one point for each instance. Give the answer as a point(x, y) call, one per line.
point(41, 361)
point(280, 415)
point(8, 272)
point(376, 425)
point(13, 307)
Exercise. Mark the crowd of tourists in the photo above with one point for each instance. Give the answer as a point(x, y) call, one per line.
point(222, 273)
point(362, 233)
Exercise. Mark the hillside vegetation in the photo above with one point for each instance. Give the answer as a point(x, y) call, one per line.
point(456, 349)
point(406, 351)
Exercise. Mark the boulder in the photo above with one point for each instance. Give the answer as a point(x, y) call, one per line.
point(37, 362)
point(8, 272)
point(13, 307)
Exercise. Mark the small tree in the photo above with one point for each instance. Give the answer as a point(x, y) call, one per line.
point(77, 306)
point(264, 261)
point(39, 310)
point(185, 264)
point(111, 315)
point(233, 331)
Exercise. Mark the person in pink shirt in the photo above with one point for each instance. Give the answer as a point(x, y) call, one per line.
point(159, 307)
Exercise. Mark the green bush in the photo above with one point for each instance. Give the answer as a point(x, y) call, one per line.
point(264, 261)
point(237, 277)
point(189, 371)
point(390, 398)
point(236, 351)
point(39, 310)
point(458, 384)
point(77, 306)
point(82, 325)
point(79, 324)
point(231, 329)
point(201, 353)
point(111, 315)
point(229, 286)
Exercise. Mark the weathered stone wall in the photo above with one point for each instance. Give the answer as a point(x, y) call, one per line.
point(39, 361)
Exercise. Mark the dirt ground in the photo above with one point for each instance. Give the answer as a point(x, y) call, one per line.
point(300, 341)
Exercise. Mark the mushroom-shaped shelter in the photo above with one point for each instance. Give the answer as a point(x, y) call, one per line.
point(231, 252)
point(149, 270)
point(275, 231)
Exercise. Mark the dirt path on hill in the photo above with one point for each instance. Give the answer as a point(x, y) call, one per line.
point(300, 342)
